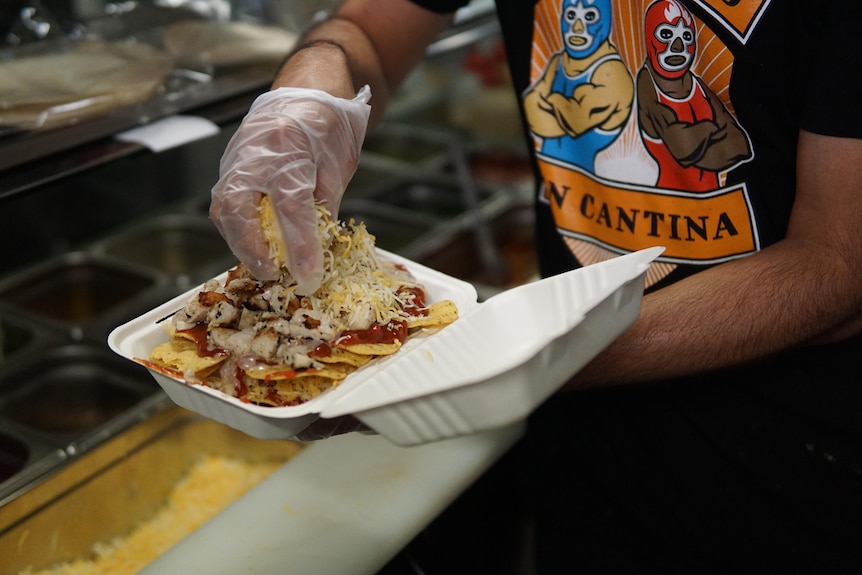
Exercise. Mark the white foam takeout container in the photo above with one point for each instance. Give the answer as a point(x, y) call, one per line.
point(492, 367)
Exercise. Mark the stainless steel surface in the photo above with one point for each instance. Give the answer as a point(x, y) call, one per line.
point(34, 159)
point(509, 230)
point(401, 146)
point(485, 28)
point(438, 196)
point(184, 246)
point(30, 159)
point(74, 288)
point(59, 402)
point(117, 485)
point(70, 391)
point(82, 293)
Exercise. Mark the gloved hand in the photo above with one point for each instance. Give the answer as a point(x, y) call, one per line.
point(299, 146)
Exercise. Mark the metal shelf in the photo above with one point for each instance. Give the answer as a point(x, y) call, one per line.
point(32, 159)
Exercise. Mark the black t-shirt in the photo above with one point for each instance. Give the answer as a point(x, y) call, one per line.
point(653, 122)
point(700, 103)
point(634, 149)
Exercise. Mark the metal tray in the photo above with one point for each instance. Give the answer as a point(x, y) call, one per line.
point(57, 402)
point(108, 491)
point(81, 293)
point(186, 247)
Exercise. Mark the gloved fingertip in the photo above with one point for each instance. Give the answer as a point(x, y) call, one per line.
point(308, 286)
point(364, 94)
point(307, 272)
point(262, 270)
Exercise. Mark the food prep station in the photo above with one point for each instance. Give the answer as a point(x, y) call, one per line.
point(97, 230)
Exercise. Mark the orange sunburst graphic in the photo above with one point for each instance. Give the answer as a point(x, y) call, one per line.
point(713, 64)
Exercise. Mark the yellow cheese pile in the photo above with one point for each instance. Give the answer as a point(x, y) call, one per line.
point(211, 485)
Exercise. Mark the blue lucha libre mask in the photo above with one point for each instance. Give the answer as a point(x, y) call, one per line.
point(585, 25)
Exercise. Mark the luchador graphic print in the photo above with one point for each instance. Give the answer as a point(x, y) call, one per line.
point(684, 125)
point(634, 131)
point(584, 97)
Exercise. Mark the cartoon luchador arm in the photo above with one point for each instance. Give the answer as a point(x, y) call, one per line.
point(540, 113)
point(712, 144)
point(602, 102)
point(729, 144)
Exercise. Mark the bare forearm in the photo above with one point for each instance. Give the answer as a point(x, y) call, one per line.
point(805, 289)
point(337, 57)
point(367, 42)
point(787, 295)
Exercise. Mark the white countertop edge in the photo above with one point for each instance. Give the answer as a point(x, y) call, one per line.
point(347, 504)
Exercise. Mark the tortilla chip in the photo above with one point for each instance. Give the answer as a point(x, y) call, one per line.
point(281, 372)
point(182, 355)
point(283, 392)
point(176, 334)
point(259, 395)
point(372, 349)
point(302, 390)
point(438, 314)
point(341, 355)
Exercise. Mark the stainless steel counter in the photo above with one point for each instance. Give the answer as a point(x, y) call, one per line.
point(222, 94)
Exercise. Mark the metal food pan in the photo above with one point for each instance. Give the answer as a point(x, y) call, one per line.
point(106, 492)
point(368, 178)
point(502, 259)
point(395, 229)
point(400, 145)
point(57, 403)
point(13, 338)
point(71, 391)
point(14, 455)
point(188, 248)
point(436, 196)
point(25, 456)
point(24, 452)
point(20, 337)
point(82, 293)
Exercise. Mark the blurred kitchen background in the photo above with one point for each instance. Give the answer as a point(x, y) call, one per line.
point(96, 229)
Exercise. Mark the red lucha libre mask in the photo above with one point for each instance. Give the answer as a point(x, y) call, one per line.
point(670, 38)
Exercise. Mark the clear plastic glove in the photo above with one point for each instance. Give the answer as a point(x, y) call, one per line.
point(300, 147)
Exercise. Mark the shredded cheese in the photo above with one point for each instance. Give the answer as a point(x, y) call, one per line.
point(358, 288)
point(250, 323)
point(211, 485)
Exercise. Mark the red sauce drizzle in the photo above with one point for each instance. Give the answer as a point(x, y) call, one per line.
point(286, 374)
point(160, 368)
point(199, 334)
point(322, 350)
point(239, 386)
point(417, 305)
point(273, 396)
point(376, 333)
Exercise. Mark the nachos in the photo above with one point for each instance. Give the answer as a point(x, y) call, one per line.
point(263, 343)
